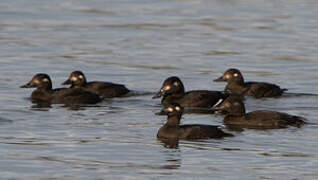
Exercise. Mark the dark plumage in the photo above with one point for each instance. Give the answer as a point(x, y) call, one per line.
point(173, 130)
point(172, 91)
point(236, 85)
point(262, 119)
point(106, 89)
point(45, 94)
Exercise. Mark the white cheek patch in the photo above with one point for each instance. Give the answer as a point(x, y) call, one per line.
point(170, 109)
point(235, 74)
point(45, 80)
point(73, 78)
point(166, 88)
point(176, 83)
point(177, 108)
point(80, 76)
point(36, 81)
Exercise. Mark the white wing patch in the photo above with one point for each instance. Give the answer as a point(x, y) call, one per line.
point(219, 102)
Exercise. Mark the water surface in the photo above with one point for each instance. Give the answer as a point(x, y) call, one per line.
point(139, 43)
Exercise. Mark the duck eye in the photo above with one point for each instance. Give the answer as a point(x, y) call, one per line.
point(45, 80)
point(177, 108)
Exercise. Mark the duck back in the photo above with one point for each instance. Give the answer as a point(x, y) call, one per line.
point(264, 120)
point(74, 96)
point(198, 98)
point(262, 89)
point(202, 132)
point(106, 89)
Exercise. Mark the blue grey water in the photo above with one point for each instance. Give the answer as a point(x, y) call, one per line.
point(140, 43)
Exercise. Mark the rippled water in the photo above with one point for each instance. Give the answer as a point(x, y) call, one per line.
point(140, 43)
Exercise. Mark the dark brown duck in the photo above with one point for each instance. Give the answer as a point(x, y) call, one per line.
point(236, 85)
point(173, 91)
point(173, 130)
point(261, 119)
point(77, 79)
point(45, 94)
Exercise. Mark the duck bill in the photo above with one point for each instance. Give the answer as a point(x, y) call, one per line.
point(28, 85)
point(162, 112)
point(158, 95)
point(220, 79)
point(67, 82)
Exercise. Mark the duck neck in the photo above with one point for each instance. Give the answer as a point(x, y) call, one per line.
point(238, 81)
point(173, 120)
point(181, 89)
point(78, 85)
point(46, 88)
point(238, 112)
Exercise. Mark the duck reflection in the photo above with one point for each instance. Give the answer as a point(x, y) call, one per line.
point(170, 143)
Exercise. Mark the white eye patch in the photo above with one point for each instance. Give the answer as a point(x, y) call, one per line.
point(37, 81)
point(227, 76)
point(166, 88)
point(73, 78)
point(170, 109)
point(177, 108)
point(235, 74)
point(45, 80)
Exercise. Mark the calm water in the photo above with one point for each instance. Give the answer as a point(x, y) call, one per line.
point(140, 43)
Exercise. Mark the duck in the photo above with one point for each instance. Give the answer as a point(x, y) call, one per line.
point(173, 130)
point(45, 94)
point(236, 116)
point(77, 79)
point(236, 85)
point(172, 91)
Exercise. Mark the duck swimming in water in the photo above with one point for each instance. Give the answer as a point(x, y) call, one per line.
point(45, 94)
